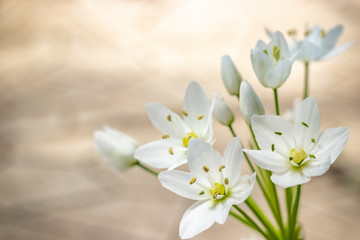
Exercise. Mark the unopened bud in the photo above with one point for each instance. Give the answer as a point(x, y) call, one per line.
point(250, 103)
point(230, 75)
point(222, 111)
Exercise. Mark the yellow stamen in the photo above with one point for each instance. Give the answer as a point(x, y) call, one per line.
point(292, 32)
point(171, 151)
point(218, 190)
point(221, 168)
point(307, 32)
point(201, 193)
point(165, 136)
point(276, 53)
point(297, 156)
point(193, 180)
point(185, 113)
point(205, 168)
point(187, 138)
point(226, 181)
point(200, 116)
point(323, 33)
point(168, 117)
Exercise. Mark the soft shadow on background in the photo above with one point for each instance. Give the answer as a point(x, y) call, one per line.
point(69, 67)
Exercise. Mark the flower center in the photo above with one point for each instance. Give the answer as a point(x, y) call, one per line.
point(187, 137)
point(297, 156)
point(218, 190)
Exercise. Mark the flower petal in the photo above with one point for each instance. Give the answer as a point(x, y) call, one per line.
point(306, 123)
point(197, 106)
point(243, 189)
point(196, 219)
point(179, 183)
point(173, 125)
point(316, 167)
point(232, 159)
point(331, 39)
point(278, 75)
point(277, 39)
point(269, 160)
point(156, 154)
point(273, 132)
point(330, 143)
point(290, 178)
point(337, 50)
point(202, 154)
point(261, 64)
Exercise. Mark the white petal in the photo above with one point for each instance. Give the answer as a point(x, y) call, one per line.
point(233, 159)
point(179, 183)
point(158, 115)
point(156, 154)
point(261, 64)
point(202, 154)
point(250, 103)
point(269, 160)
point(277, 39)
point(337, 50)
point(278, 75)
point(307, 123)
point(230, 75)
point(315, 167)
point(196, 104)
point(290, 178)
point(330, 39)
point(309, 52)
point(273, 130)
point(330, 143)
point(221, 210)
point(196, 219)
point(243, 189)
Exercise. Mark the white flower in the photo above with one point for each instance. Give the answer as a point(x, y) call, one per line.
point(115, 148)
point(319, 45)
point(171, 151)
point(213, 181)
point(289, 114)
point(295, 153)
point(230, 75)
point(250, 103)
point(272, 63)
point(222, 111)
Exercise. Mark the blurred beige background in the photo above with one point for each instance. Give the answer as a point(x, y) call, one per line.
point(69, 67)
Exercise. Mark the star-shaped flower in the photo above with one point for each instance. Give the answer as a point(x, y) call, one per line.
point(320, 45)
point(214, 181)
point(272, 62)
point(171, 151)
point(295, 153)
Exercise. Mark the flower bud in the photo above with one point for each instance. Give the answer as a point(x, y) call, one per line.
point(250, 103)
point(115, 148)
point(222, 111)
point(230, 76)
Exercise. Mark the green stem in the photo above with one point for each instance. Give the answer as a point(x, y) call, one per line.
point(294, 212)
point(146, 168)
point(232, 130)
point(261, 216)
point(276, 102)
point(249, 221)
point(306, 80)
point(253, 136)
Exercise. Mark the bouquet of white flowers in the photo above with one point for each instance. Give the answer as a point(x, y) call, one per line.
point(286, 152)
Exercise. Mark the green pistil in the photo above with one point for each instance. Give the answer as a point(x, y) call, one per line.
point(276, 53)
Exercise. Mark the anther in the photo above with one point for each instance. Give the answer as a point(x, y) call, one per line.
point(305, 124)
point(265, 51)
point(215, 194)
point(221, 168)
point(273, 147)
point(165, 136)
point(323, 33)
point(192, 181)
point(171, 151)
point(313, 140)
point(312, 156)
point(205, 168)
point(226, 181)
point(201, 193)
point(292, 32)
point(200, 116)
point(168, 117)
point(185, 113)
point(278, 133)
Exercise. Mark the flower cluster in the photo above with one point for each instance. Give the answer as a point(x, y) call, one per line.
point(286, 151)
